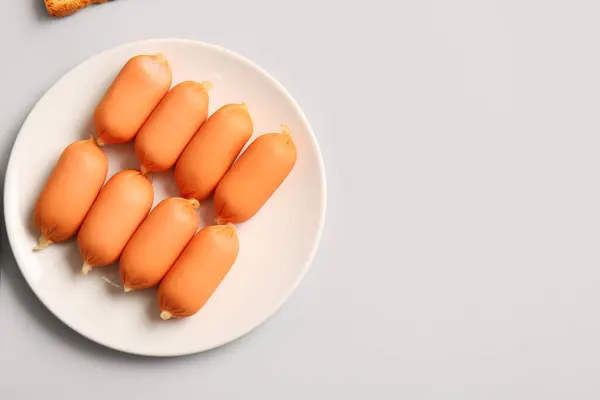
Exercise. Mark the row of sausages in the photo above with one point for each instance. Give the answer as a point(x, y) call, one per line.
point(114, 221)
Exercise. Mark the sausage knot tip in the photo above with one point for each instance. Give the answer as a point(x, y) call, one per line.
point(85, 269)
point(194, 203)
point(165, 315)
point(160, 57)
point(43, 242)
point(206, 85)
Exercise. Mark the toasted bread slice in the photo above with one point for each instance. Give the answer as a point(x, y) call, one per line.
point(62, 8)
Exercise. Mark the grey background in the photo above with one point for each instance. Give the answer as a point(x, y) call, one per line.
point(460, 253)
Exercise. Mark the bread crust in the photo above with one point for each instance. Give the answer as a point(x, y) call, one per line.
point(62, 8)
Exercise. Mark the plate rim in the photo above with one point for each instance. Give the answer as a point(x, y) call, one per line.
point(11, 222)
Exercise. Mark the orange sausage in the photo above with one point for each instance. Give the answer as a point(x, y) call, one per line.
point(172, 125)
point(131, 98)
point(70, 192)
point(212, 150)
point(158, 242)
point(255, 176)
point(198, 271)
point(119, 210)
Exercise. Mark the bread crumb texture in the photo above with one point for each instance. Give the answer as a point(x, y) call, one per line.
point(62, 8)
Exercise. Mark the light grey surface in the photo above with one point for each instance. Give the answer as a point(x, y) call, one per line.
point(460, 253)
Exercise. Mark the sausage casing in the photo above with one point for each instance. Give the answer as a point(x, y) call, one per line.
point(132, 96)
point(212, 151)
point(172, 125)
point(198, 271)
point(119, 210)
point(255, 176)
point(70, 192)
point(158, 242)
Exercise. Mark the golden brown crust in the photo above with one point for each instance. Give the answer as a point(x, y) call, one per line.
point(62, 8)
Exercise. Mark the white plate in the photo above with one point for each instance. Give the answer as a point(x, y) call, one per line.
point(276, 247)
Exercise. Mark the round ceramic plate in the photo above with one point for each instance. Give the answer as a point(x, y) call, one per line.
point(276, 246)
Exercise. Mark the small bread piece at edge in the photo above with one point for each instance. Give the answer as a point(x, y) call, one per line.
point(62, 8)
